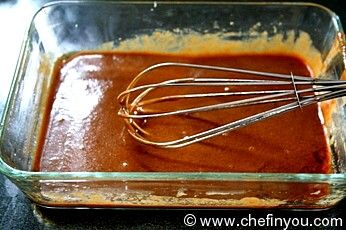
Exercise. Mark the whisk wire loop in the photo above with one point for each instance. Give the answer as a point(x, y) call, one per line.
point(304, 91)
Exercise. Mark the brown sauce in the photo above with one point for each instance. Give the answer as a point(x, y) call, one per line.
point(82, 132)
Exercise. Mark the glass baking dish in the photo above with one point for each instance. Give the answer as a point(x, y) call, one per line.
point(64, 27)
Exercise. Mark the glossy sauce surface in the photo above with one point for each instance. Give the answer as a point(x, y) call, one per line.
point(82, 132)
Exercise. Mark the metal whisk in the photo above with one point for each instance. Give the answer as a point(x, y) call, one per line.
point(300, 91)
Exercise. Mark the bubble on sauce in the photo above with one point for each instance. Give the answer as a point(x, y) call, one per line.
point(251, 148)
point(60, 118)
point(230, 166)
point(316, 193)
point(226, 89)
point(81, 147)
point(181, 192)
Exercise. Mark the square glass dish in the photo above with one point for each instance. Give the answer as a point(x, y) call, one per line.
point(64, 27)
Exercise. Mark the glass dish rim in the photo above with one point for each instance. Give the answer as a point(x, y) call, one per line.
point(11, 172)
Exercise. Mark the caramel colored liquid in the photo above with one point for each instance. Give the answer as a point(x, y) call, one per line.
point(82, 131)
